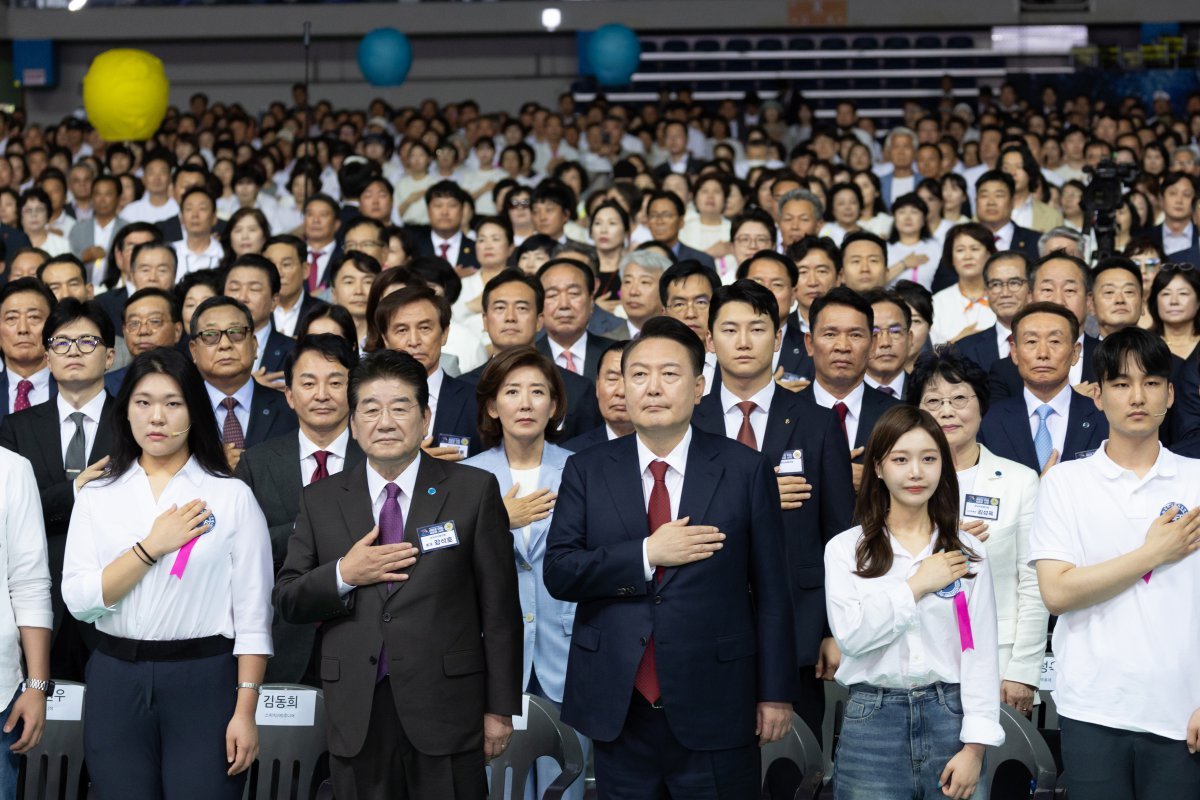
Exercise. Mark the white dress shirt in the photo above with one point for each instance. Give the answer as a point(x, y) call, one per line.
point(897, 252)
point(896, 385)
point(244, 397)
point(435, 391)
point(890, 640)
point(191, 261)
point(40, 392)
point(1023, 214)
point(709, 370)
point(758, 417)
point(953, 312)
point(853, 403)
point(1002, 340)
point(25, 579)
point(102, 234)
point(260, 342)
point(377, 490)
point(578, 350)
point(676, 464)
point(91, 422)
point(1056, 422)
point(453, 246)
point(1004, 237)
point(326, 253)
point(334, 462)
point(226, 587)
point(1174, 242)
point(1128, 662)
point(286, 319)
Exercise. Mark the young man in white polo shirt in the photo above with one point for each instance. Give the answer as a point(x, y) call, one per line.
point(1114, 541)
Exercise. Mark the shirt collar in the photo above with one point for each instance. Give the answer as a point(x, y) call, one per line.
point(244, 395)
point(406, 480)
point(91, 409)
point(676, 459)
point(853, 400)
point(191, 471)
point(39, 379)
point(453, 240)
point(578, 348)
point(337, 446)
point(1061, 402)
point(1166, 465)
point(1005, 234)
point(761, 398)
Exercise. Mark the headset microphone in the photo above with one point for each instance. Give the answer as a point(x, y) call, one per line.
point(1156, 414)
point(174, 434)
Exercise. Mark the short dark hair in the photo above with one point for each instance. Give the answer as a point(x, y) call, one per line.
point(147, 247)
point(446, 188)
point(28, 284)
point(799, 250)
point(840, 296)
point(330, 345)
point(195, 190)
point(511, 275)
point(499, 221)
point(948, 363)
point(683, 270)
point(69, 309)
point(874, 296)
point(154, 291)
point(663, 194)
point(1115, 352)
point(996, 176)
point(219, 301)
point(360, 261)
point(436, 271)
point(322, 198)
point(864, 236)
point(1122, 263)
point(492, 380)
point(918, 298)
point(672, 329)
point(292, 241)
point(589, 277)
point(752, 215)
point(758, 297)
point(260, 263)
point(65, 258)
point(789, 266)
point(389, 365)
point(391, 303)
point(557, 192)
point(1046, 307)
point(340, 317)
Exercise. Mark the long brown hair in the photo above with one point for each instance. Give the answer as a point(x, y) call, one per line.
point(873, 554)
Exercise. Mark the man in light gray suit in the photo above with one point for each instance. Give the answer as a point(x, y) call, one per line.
point(90, 239)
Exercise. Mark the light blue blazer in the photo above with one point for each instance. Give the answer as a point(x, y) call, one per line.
point(547, 621)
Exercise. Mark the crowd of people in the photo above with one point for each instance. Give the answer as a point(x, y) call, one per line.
point(364, 399)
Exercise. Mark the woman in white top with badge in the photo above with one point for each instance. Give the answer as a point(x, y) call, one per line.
point(170, 557)
point(913, 253)
point(996, 499)
point(522, 401)
point(910, 604)
point(962, 308)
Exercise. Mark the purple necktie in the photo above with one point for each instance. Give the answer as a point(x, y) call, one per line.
point(391, 531)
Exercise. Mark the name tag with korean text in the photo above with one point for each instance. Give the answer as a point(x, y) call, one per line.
point(1046, 684)
point(66, 705)
point(980, 506)
point(792, 463)
point(286, 707)
point(450, 440)
point(438, 536)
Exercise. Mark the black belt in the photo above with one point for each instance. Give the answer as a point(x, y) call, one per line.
point(170, 650)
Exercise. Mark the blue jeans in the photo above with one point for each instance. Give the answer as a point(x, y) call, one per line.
point(895, 743)
point(10, 762)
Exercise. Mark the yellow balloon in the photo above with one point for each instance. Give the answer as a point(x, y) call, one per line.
point(125, 94)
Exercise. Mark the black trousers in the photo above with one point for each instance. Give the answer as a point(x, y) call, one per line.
point(1102, 763)
point(390, 767)
point(155, 730)
point(647, 762)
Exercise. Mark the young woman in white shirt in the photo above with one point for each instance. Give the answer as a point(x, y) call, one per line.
point(962, 308)
point(910, 604)
point(956, 202)
point(845, 209)
point(171, 558)
point(874, 213)
point(913, 253)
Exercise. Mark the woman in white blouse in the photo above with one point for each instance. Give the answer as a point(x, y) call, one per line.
point(913, 253)
point(171, 559)
point(910, 604)
point(962, 308)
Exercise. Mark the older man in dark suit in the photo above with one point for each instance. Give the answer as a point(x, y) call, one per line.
point(420, 661)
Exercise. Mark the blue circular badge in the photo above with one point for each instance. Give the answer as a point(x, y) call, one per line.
point(951, 590)
point(1180, 510)
point(211, 522)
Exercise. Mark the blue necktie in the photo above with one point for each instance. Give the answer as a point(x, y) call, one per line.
point(1042, 442)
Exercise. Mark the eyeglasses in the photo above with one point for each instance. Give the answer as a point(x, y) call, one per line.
point(518, 204)
point(761, 242)
point(698, 303)
point(61, 345)
point(1148, 264)
point(893, 331)
point(1011, 285)
point(151, 324)
point(934, 404)
point(1181, 267)
point(212, 337)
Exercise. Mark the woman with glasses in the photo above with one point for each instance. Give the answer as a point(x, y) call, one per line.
point(962, 308)
point(751, 231)
point(1149, 258)
point(910, 603)
point(34, 213)
point(518, 207)
point(1174, 302)
point(170, 557)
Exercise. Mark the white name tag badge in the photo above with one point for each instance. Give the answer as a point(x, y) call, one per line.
point(66, 705)
point(1082, 454)
point(792, 463)
point(450, 440)
point(438, 536)
point(1049, 674)
point(286, 707)
point(521, 723)
point(980, 506)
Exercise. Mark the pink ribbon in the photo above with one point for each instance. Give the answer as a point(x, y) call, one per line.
point(181, 559)
point(964, 622)
point(1146, 577)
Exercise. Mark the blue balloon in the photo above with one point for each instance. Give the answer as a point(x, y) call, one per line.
point(384, 57)
point(614, 51)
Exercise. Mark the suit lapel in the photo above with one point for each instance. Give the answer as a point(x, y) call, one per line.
point(1079, 426)
point(780, 418)
point(50, 437)
point(624, 483)
point(102, 444)
point(700, 484)
point(429, 496)
point(1016, 428)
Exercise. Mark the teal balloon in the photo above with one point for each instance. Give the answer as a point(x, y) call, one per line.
point(613, 51)
point(384, 57)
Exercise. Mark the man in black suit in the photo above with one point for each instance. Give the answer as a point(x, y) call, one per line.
point(254, 282)
point(781, 275)
point(321, 223)
point(679, 160)
point(223, 347)
point(446, 201)
point(416, 320)
point(67, 441)
point(120, 258)
point(892, 341)
point(994, 206)
point(1006, 276)
point(512, 316)
point(186, 177)
point(1049, 421)
point(420, 660)
point(1178, 236)
point(610, 396)
point(151, 319)
point(805, 445)
point(25, 304)
point(316, 374)
point(289, 254)
point(569, 286)
point(665, 216)
point(685, 289)
point(682, 658)
point(839, 342)
point(1067, 281)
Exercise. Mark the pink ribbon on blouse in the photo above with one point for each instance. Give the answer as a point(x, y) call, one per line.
point(964, 622)
point(1146, 577)
point(181, 558)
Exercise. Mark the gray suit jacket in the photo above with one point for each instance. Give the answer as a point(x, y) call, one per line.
point(82, 236)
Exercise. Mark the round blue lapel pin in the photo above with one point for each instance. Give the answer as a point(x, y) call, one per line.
point(432, 490)
point(1180, 510)
point(951, 590)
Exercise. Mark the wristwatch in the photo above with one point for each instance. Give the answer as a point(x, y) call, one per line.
point(45, 687)
point(255, 686)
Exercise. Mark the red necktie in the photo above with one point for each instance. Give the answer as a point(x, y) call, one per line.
point(321, 471)
point(842, 410)
point(314, 269)
point(23, 389)
point(746, 432)
point(445, 248)
point(569, 357)
point(659, 514)
point(231, 432)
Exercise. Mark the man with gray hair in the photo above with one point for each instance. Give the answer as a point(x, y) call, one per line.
point(640, 273)
point(899, 151)
point(800, 215)
point(1063, 238)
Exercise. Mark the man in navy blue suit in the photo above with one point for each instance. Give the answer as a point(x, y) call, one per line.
point(811, 459)
point(26, 380)
point(682, 656)
point(610, 396)
point(665, 217)
point(1049, 421)
point(780, 274)
point(254, 281)
point(1006, 276)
